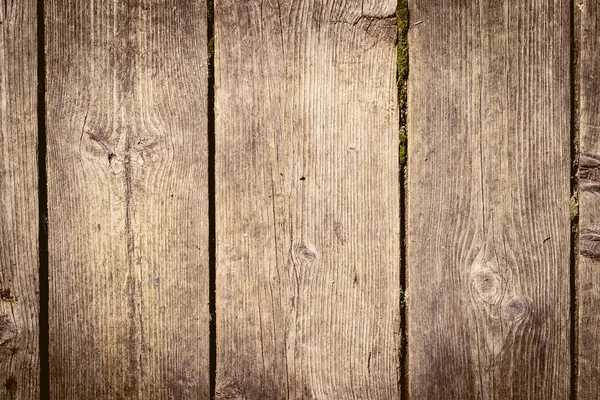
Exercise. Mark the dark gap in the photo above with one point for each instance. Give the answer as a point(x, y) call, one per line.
point(43, 208)
point(402, 64)
point(212, 253)
point(403, 299)
point(574, 133)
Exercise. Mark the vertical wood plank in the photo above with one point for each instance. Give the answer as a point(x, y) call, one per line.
point(588, 260)
point(307, 208)
point(127, 192)
point(488, 199)
point(19, 253)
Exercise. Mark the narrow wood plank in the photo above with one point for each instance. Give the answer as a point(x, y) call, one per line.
point(488, 200)
point(588, 260)
point(19, 253)
point(127, 190)
point(307, 204)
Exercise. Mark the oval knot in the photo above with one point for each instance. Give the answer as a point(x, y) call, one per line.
point(487, 284)
point(307, 252)
point(514, 309)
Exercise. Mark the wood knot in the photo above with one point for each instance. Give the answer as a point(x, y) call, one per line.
point(589, 167)
point(589, 173)
point(11, 385)
point(514, 309)
point(307, 252)
point(589, 245)
point(7, 329)
point(487, 285)
point(6, 295)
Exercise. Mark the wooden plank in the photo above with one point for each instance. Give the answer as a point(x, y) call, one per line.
point(488, 229)
point(307, 200)
point(588, 260)
point(127, 193)
point(19, 252)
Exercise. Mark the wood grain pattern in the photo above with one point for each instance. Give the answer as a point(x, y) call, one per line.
point(307, 200)
point(19, 253)
point(128, 223)
point(488, 226)
point(588, 261)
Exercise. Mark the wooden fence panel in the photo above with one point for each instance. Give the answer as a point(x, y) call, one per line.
point(307, 200)
point(128, 199)
point(19, 252)
point(588, 260)
point(488, 228)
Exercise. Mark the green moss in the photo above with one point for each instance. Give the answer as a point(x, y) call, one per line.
point(574, 208)
point(403, 299)
point(402, 20)
point(210, 17)
point(403, 138)
point(402, 57)
point(210, 8)
point(211, 47)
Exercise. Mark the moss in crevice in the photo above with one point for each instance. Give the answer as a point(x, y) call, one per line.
point(210, 19)
point(402, 20)
point(403, 298)
point(574, 208)
point(403, 138)
point(211, 47)
point(210, 10)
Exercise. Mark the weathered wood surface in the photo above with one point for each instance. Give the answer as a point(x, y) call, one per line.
point(127, 192)
point(19, 295)
point(587, 30)
point(307, 200)
point(488, 229)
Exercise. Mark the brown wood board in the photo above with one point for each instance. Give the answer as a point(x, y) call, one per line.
point(307, 200)
point(488, 227)
point(19, 212)
point(587, 32)
point(127, 199)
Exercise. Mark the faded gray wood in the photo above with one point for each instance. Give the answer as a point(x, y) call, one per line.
point(127, 192)
point(307, 200)
point(488, 229)
point(19, 284)
point(588, 260)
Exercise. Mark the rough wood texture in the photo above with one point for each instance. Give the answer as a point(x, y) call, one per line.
point(488, 200)
point(307, 204)
point(19, 285)
point(128, 237)
point(587, 14)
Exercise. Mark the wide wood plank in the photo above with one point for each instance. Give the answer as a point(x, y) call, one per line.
point(488, 228)
point(19, 255)
point(127, 192)
point(588, 260)
point(307, 200)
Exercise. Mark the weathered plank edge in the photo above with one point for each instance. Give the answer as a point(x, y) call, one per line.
point(574, 207)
